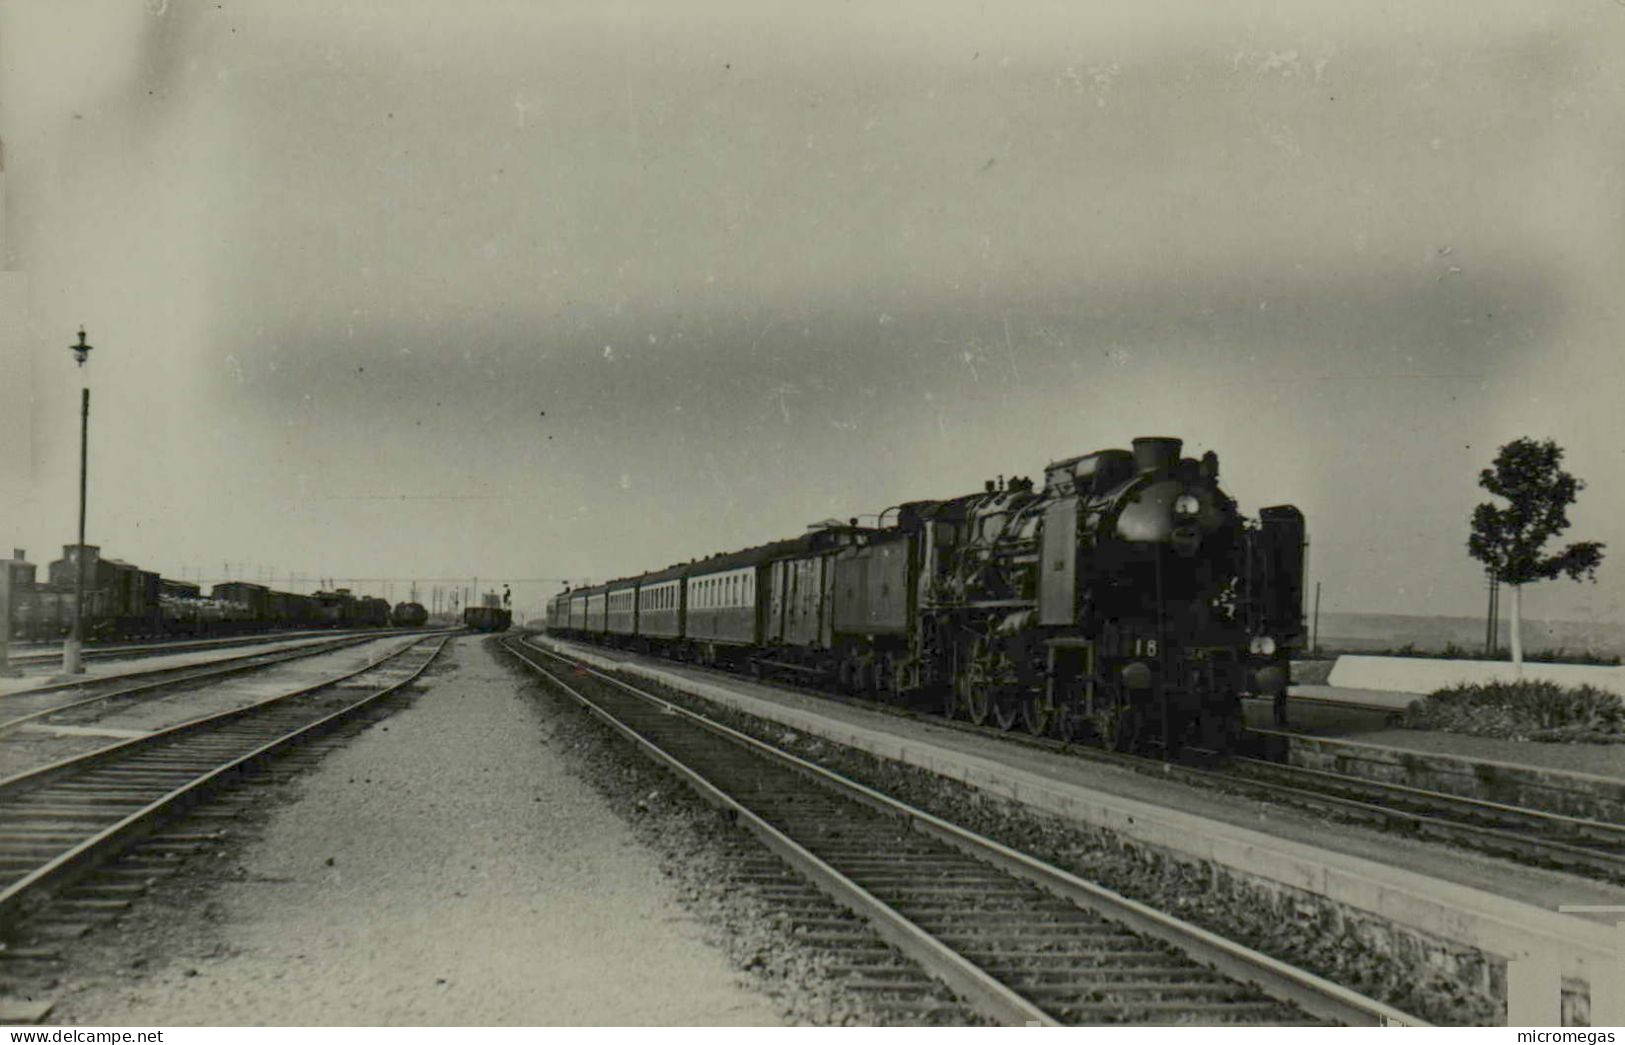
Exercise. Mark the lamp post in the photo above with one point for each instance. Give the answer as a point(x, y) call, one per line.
point(71, 649)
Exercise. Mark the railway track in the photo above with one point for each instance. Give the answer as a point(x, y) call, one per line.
point(139, 651)
point(1020, 941)
point(39, 706)
point(1531, 837)
point(60, 820)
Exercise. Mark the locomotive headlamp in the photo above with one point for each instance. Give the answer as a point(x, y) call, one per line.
point(1187, 504)
point(1263, 645)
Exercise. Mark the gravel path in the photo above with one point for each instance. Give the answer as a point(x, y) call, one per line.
point(444, 868)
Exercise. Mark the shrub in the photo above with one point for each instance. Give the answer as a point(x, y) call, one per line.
point(1527, 710)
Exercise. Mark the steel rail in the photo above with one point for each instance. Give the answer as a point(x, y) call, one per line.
point(1605, 854)
point(969, 981)
point(150, 652)
point(1314, 994)
point(40, 775)
point(97, 846)
point(1494, 841)
point(221, 668)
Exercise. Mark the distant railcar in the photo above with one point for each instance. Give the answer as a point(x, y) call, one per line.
point(256, 598)
point(123, 601)
point(334, 609)
point(409, 615)
point(487, 618)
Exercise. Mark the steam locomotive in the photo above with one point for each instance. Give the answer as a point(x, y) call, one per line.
point(1126, 599)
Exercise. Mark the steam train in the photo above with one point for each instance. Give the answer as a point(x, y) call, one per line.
point(1125, 599)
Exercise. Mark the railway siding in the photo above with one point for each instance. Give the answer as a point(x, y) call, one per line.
point(1418, 920)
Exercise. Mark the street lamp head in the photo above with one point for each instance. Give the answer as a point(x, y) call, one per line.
point(81, 351)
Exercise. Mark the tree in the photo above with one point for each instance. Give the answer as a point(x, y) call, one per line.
point(1510, 541)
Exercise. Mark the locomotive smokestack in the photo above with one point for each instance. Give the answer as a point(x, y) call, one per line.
point(1153, 453)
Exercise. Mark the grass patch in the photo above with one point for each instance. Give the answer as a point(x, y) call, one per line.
point(1526, 710)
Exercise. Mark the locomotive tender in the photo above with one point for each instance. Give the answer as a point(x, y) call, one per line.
point(1126, 598)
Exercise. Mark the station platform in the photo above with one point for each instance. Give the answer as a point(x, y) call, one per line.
point(1455, 906)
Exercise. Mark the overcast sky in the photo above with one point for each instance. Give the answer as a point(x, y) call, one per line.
point(573, 290)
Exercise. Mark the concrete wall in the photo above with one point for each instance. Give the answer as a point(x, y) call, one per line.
point(1426, 674)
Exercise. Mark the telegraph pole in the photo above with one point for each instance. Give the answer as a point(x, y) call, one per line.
point(1314, 631)
point(71, 649)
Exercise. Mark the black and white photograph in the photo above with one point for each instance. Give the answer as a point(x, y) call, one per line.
point(707, 513)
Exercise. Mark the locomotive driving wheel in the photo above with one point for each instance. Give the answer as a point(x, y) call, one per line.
point(975, 684)
point(1006, 710)
point(1037, 712)
point(994, 687)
